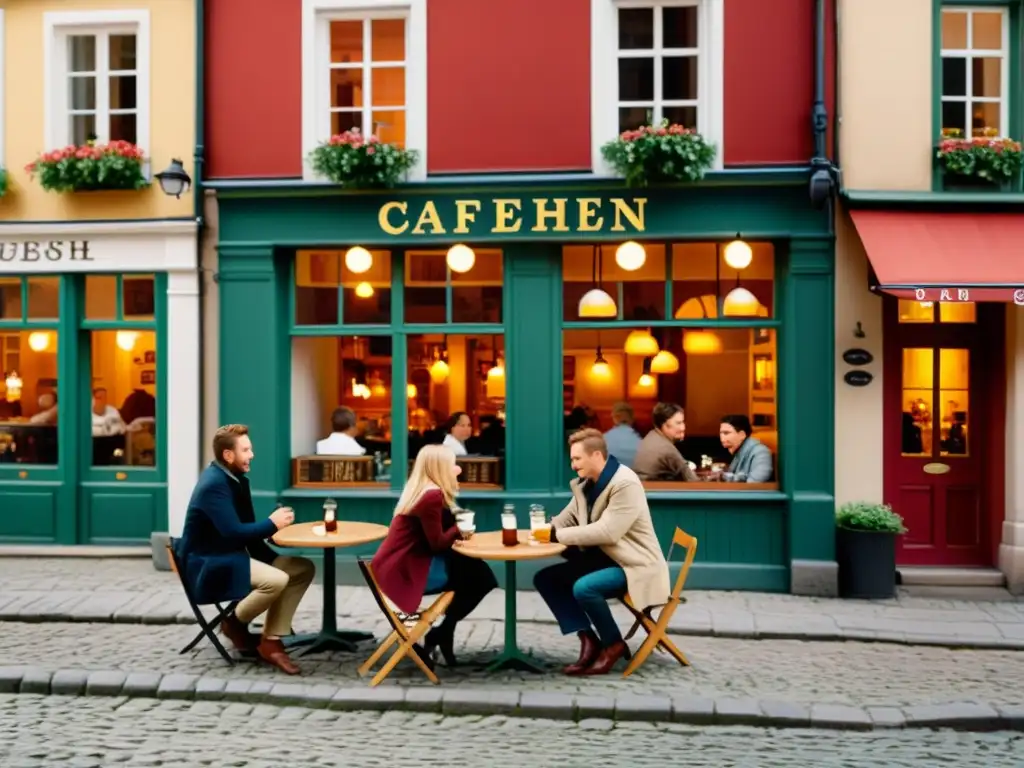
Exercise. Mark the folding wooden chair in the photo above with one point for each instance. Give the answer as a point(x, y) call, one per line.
point(406, 636)
point(207, 628)
point(656, 630)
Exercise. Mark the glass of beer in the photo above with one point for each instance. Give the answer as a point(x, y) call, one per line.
point(537, 523)
point(509, 531)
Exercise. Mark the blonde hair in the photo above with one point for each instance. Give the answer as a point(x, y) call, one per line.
point(431, 470)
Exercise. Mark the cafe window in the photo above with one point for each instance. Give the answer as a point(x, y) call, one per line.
point(341, 410)
point(28, 370)
point(456, 396)
point(459, 285)
point(913, 311)
point(347, 287)
point(690, 324)
point(975, 71)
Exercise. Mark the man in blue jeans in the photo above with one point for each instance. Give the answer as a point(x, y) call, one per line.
point(612, 549)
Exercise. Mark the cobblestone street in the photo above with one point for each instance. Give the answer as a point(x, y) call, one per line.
point(38, 732)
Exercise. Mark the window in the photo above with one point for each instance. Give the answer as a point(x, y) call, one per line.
point(98, 76)
point(686, 328)
point(656, 60)
point(975, 71)
point(434, 293)
point(328, 291)
point(936, 402)
point(364, 67)
point(912, 311)
point(28, 370)
point(456, 394)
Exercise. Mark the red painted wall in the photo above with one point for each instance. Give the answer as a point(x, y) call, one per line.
point(509, 85)
point(253, 88)
point(769, 81)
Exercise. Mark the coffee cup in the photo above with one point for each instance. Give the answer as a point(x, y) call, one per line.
point(465, 518)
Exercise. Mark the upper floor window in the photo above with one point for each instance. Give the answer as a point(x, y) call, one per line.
point(364, 67)
point(98, 77)
point(975, 81)
point(656, 60)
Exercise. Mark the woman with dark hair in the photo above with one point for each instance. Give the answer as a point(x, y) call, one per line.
point(457, 430)
point(751, 459)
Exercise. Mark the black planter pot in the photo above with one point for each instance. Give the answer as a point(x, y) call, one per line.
point(867, 564)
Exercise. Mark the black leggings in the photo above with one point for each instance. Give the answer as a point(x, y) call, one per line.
point(470, 579)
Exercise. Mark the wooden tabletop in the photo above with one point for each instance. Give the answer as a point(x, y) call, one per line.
point(488, 546)
point(349, 534)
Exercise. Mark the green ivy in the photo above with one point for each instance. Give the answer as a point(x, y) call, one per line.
point(91, 167)
point(358, 162)
point(990, 158)
point(660, 154)
point(866, 516)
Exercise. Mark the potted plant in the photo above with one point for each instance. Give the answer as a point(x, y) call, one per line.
point(362, 162)
point(91, 167)
point(866, 549)
point(986, 162)
point(659, 154)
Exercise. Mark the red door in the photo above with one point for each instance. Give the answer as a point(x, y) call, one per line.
point(944, 405)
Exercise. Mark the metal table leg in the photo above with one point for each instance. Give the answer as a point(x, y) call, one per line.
point(511, 657)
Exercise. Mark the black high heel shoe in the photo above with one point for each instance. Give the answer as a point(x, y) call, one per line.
point(443, 641)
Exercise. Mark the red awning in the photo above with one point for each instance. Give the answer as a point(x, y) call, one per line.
point(948, 256)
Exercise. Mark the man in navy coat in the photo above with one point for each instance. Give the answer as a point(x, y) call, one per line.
point(224, 556)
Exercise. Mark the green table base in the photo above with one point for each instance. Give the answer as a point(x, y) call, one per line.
point(329, 638)
point(511, 657)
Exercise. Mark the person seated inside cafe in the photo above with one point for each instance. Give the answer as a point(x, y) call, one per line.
point(458, 430)
point(341, 441)
point(657, 457)
point(623, 440)
point(611, 549)
point(418, 556)
point(106, 419)
point(47, 413)
point(751, 459)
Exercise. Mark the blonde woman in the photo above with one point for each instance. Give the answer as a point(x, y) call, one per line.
point(416, 558)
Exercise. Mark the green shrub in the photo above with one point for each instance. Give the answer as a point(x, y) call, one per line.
point(866, 516)
point(659, 155)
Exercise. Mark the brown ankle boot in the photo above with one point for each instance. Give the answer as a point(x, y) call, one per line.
point(607, 658)
point(273, 652)
point(238, 633)
point(589, 649)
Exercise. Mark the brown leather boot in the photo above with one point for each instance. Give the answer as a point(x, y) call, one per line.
point(607, 658)
point(238, 633)
point(273, 652)
point(589, 649)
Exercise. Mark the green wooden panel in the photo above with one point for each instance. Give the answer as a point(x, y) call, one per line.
point(807, 398)
point(29, 511)
point(696, 211)
point(121, 514)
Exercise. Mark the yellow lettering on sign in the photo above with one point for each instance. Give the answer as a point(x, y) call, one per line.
point(465, 211)
point(507, 215)
point(543, 214)
point(623, 211)
point(384, 221)
point(591, 219)
point(429, 217)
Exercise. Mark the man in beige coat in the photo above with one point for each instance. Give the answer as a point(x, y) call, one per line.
point(612, 549)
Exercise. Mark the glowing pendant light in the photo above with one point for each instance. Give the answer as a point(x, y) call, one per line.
point(461, 258)
point(630, 256)
point(600, 368)
point(640, 343)
point(664, 362)
point(701, 343)
point(411, 391)
point(738, 254)
point(439, 372)
point(126, 340)
point(364, 290)
point(38, 341)
point(740, 302)
point(495, 385)
point(358, 259)
point(597, 303)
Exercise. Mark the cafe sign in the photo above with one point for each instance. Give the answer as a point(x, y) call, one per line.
point(513, 215)
point(48, 251)
point(1001, 294)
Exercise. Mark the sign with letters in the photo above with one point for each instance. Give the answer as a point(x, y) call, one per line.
point(979, 293)
point(49, 251)
point(475, 217)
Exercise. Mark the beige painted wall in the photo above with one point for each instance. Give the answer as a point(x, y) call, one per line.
point(172, 105)
point(885, 94)
point(1011, 548)
point(858, 409)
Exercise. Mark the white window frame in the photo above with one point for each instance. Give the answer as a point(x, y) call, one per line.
point(604, 71)
point(317, 16)
point(57, 27)
point(970, 53)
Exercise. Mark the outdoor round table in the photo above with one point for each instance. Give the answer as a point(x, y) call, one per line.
point(488, 546)
point(349, 534)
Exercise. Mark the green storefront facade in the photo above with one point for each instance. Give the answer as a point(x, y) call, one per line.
point(774, 540)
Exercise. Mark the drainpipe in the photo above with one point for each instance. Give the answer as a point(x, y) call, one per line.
point(197, 200)
point(823, 183)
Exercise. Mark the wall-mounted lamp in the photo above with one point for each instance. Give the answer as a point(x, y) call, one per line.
point(174, 181)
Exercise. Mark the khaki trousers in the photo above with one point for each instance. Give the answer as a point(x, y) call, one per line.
point(277, 589)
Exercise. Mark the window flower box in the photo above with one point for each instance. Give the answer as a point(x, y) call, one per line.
point(356, 161)
point(5, 181)
point(662, 154)
point(985, 163)
point(91, 167)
